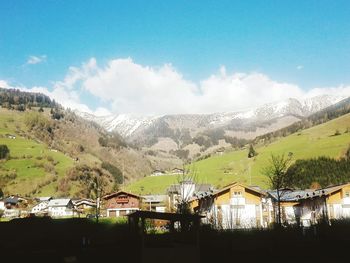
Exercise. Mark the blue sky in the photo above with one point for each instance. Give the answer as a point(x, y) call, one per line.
point(299, 43)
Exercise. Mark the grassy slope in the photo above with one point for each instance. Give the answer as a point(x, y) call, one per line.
point(27, 154)
point(234, 166)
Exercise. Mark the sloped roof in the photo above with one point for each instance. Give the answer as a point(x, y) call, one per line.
point(120, 192)
point(289, 195)
point(11, 200)
point(84, 201)
point(175, 188)
point(59, 202)
point(44, 198)
point(227, 187)
point(331, 189)
point(154, 198)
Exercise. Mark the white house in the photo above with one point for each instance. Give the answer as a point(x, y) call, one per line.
point(60, 207)
point(157, 173)
point(41, 206)
point(177, 171)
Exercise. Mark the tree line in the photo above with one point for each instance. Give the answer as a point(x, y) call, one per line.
point(21, 100)
point(320, 171)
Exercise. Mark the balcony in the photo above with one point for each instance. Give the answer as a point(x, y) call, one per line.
point(237, 201)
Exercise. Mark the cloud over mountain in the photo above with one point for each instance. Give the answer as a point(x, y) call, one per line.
point(123, 86)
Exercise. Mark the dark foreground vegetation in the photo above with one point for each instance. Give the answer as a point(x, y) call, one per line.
point(82, 240)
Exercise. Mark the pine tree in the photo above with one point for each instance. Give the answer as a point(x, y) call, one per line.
point(252, 152)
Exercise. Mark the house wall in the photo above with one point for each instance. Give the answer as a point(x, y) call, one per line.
point(237, 207)
point(338, 203)
point(121, 205)
point(39, 207)
point(116, 202)
point(60, 211)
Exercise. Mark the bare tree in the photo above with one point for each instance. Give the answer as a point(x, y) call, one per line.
point(97, 185)
point(187, 181)
point(276, 172)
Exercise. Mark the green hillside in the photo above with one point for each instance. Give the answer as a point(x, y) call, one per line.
point(236, 166)
point(32, 166)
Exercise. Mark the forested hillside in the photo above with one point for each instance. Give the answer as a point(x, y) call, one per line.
point(54, 152)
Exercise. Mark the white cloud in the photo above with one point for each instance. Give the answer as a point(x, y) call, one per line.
point(123, 86)
point(67, 98)
point(36, 59)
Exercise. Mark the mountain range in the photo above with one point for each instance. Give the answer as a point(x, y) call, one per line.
point(173, 132)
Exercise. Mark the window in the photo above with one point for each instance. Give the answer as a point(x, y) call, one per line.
point(347, 194)
point(237, 193)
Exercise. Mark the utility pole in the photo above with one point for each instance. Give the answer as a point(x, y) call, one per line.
point(250, 174)
point(97, 199)
point(123, 175)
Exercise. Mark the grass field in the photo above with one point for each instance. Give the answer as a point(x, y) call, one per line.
point(32, 162)
point(236, 166)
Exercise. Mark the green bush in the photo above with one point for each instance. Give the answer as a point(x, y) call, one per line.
point(4, 151)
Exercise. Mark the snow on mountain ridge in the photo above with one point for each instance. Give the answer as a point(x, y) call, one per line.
point(127, 124)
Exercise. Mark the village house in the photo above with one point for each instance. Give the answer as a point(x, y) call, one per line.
point(121, 203)
point(157, 203)
point(10, 136)
point(60, 207)
point(337, 200)
point(325, 204)
point(84, 205)
point(177, 171)
point(157, 173)
point(41, 207)
point(308, 207)
point(14, 205)
point(184, 192)
point(290, 205)
point(234, 206)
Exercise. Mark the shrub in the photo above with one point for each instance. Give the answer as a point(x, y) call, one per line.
point(4, 151)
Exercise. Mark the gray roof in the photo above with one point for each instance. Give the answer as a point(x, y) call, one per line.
point(44, 198)
point(154, 198)
point(288, 195)
point(11, 200)
point(175, 188)
point(59, 202)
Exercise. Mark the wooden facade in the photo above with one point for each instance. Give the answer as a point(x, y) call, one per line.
point(121, 203)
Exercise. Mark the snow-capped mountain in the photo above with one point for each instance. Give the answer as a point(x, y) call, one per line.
point(133, 126)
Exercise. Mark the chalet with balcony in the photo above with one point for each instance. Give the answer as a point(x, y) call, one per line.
point(234, 206)
point(121, 203)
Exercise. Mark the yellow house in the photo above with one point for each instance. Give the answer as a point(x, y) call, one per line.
point(307, 207)
point(234, 206)
point(334, 199)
